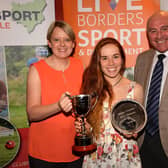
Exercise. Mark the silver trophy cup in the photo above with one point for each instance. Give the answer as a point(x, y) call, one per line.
point(128, 116)
point(82, 105)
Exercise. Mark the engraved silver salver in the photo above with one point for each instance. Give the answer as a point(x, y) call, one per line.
point(128, 116)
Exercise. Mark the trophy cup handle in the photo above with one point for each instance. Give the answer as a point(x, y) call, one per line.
point(70, 97)
point(94, 94)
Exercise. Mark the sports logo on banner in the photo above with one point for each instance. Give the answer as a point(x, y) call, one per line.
point(25, 22)
point(124, 20)
point(113, 3)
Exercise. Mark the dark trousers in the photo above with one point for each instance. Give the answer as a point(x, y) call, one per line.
point(37, 163)
point(152, 153)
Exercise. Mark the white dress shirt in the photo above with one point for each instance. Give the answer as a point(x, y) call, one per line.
point(165, 71)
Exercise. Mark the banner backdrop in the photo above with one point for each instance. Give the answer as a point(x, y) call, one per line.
point(124, 20)
point(23, 29)
point(25, 22)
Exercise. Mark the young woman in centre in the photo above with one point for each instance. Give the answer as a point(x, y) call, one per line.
point(104, 75)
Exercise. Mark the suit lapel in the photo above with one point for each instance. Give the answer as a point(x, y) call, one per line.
point(148, 65)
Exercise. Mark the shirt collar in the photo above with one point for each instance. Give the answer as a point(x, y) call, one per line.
point(165, 53)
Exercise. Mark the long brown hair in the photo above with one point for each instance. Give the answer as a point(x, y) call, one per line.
point(94, 81)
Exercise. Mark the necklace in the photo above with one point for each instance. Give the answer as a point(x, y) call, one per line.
point(117, 82)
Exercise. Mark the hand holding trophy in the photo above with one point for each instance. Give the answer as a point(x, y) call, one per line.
point(82, 105)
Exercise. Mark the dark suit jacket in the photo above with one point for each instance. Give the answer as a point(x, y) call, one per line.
point(142, 75)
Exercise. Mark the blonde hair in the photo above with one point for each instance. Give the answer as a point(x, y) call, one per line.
point(64, 26)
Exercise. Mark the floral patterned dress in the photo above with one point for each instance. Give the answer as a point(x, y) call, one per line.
point(113, 150)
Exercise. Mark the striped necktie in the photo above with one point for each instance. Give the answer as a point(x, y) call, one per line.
point(154, 97)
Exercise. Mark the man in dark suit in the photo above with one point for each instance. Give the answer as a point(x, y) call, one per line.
point(154, 146)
